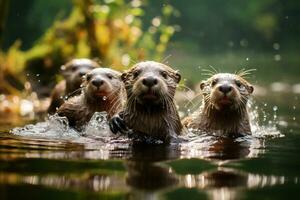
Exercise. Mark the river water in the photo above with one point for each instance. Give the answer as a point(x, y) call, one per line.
point(48, 160)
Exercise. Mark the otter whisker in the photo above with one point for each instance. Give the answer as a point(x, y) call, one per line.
point(243, 72)
point(166, 58)
point(74, 93)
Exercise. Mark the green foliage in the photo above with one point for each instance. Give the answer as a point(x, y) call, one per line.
point(110, 30)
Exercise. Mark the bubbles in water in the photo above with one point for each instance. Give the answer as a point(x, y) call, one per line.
point(104, 98)
point(247, 59)
point(275, 108)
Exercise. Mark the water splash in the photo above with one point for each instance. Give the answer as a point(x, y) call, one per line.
point(267, 128)
point(58, 127)
point(54, 127)
point(97, 126)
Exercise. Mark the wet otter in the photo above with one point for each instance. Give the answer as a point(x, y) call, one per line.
point(223, 109)
point(150, 109)
point(72, 72)
point(102, 90)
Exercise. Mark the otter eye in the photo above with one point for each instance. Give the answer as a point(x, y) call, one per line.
point(136, 73)
point(74, 68)
point(238, 83)
point(164, 74)
point(214, 82)
point(109, 76)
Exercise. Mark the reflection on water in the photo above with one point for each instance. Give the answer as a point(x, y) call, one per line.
point(224, 183)
point(49, 157)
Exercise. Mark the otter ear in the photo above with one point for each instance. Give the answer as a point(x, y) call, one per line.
point(250, 89)
point(202, 85)
point(177, 77)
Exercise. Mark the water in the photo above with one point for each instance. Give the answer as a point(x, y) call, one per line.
point(49, 160)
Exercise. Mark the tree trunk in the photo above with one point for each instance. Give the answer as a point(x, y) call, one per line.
point(3, 13)
point(90, 28)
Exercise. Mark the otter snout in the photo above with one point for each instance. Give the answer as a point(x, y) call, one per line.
point(225, 88)
point(97, 82)
point(149, 81)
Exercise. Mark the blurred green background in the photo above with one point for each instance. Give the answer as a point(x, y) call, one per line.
point(189, 35)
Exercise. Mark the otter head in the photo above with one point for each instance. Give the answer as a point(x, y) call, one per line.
point(102, 84)
point(74, 70)
point(226, 91)
point(150, 83)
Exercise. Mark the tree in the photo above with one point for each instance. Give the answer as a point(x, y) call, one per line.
point(3, 13)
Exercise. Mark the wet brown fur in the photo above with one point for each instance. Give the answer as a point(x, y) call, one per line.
point(80, 109)
point(157, 118)
point(213, 117)
point(71, 82)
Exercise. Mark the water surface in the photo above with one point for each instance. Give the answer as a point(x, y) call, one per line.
point(65, 164)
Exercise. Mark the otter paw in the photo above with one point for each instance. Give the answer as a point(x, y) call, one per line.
point(117, 124)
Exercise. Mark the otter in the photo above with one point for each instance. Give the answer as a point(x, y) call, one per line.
point(224, 106)
point(150, 109)
point(103, 90)
point(72, 71)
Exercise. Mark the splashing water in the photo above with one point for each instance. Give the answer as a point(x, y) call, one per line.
point(269, 128)
point(96, 135)
point(54, 127)
point(97, 126)
point(58, 127)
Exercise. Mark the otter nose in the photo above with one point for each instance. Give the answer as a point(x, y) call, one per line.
point(149, 81)
point(225, 88)
point(97, 82)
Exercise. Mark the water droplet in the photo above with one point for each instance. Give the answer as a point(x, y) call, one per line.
point(277, 57)
point(247, 59)
point(294, 118)
point(104, 98)
point(276, 46)
point(294, 107)
point(39, 80)
point(37, 75)
point(275, 108)
point(27, 74)
point(265, 104)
